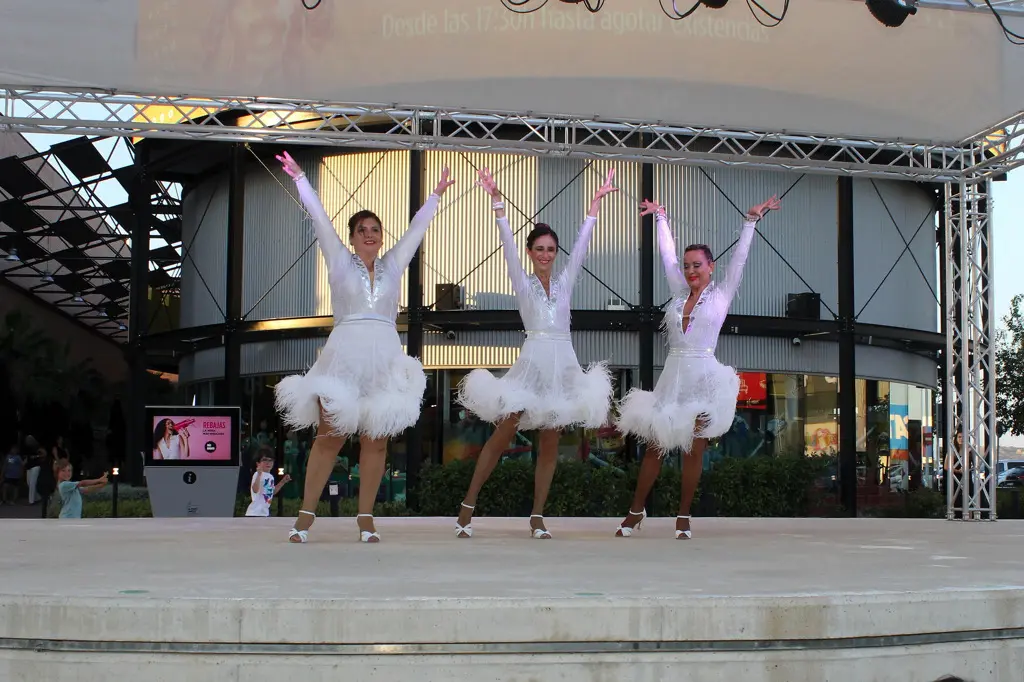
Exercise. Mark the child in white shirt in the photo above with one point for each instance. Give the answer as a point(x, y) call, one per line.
point(262, 487)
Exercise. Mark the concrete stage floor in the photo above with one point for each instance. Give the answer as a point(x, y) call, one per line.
point(746, 599)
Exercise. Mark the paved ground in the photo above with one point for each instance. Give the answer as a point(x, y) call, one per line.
point(421, 557)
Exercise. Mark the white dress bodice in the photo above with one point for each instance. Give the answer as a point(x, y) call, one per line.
point(708, 314)
point(352, 294)
point(545, 313)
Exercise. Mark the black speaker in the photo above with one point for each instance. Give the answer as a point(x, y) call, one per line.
point(803, 306)
point(447, 297)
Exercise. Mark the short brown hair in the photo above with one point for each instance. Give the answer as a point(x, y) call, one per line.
point(264, 452)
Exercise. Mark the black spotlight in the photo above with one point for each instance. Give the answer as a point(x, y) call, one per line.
point(714, 4)
point(892, 13)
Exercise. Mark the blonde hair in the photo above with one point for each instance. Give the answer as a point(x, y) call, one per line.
point(61, 464)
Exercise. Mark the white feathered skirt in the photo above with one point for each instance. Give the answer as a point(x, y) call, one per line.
point(546, 384)
point(695, 397)
point(365, 382)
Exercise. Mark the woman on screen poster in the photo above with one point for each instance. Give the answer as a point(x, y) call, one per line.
point(363, 382)
point(170, 442)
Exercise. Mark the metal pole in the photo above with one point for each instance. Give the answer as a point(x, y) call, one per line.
point(142, 214)
point(235, 277)
point(847, 349)
point(647, 323)
point(414, 332)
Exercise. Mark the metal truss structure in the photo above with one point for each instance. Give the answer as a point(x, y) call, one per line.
point(969, 388)
point(421, 127)
point(965, 168)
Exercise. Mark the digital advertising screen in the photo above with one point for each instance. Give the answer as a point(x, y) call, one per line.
point(193, 436)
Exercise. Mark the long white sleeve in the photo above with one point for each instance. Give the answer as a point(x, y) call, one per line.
point(734, 273)
point(335, 254)
point(401, 254)
point(669, 257)
point(520, 282)
point(579, 252)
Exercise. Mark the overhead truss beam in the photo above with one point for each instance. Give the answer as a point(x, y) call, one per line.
point(422, 127)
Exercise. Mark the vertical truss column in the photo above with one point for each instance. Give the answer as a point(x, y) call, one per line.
point(969, 390)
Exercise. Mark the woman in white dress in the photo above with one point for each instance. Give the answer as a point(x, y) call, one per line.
point(170, 443)
point(362, 383)
point(545, 389)
point(695, 397)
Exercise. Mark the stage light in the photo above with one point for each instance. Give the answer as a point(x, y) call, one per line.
point(122, 327)
point(78, 298)
point(114, 471)
point(47, 277)
point(280, 471)
point(12, 257)
point(892, 13)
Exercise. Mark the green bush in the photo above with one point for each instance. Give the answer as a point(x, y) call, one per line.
point(1010, 503)
point(763, 486)
point(578, 489)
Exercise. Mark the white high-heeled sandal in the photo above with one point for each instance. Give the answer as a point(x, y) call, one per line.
point(626, 531)
point(302, 535)
point(467, 530)
point(365, 535)
point(539, 533)
point(683, 534)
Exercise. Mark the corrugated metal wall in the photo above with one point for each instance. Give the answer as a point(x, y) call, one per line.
point(496, 349)
point(462, 246)
point(205, 237)
point(202, 366)
point(887, 217)
point(804, 232)
point(888, 364)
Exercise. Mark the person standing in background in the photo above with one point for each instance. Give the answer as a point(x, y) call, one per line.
point(262, 487)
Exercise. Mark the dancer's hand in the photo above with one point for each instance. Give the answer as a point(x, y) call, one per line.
point(289, 165)
point(647, 207)
point(444, 183)
point(759, 211)
point(607, 188)
point(602, 191)
point(486, 181)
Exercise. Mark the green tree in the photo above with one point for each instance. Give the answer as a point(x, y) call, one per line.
point(1010, 371)
point(42, 380)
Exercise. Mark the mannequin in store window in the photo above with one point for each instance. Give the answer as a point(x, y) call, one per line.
point(363, 382)
point(546, 389)
point(695, 397)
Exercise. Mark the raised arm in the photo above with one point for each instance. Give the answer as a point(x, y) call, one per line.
point(334, 251)
point(734, 273)
point(520, 282)
point(667, 246)
point(400, 255)
point(579, 249)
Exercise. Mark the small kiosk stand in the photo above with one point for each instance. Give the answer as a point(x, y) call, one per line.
point(192, 460)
